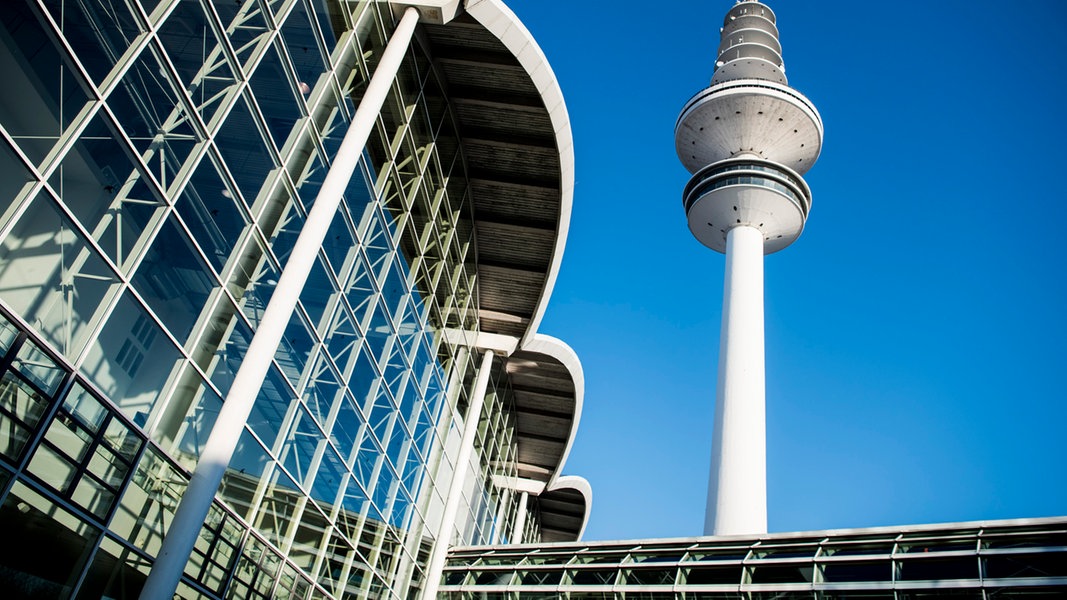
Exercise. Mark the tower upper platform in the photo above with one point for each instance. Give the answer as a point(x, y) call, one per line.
point(750, 117)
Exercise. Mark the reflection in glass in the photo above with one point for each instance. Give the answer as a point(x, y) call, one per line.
point(54, 545)
point(131, 360)
point(50, 276)
point(51, 95)
point(174, 281)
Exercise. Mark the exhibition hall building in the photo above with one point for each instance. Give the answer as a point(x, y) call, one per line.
point(271, 278)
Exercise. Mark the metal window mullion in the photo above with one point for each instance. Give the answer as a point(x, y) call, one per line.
point(55, 32)
point(30, 188)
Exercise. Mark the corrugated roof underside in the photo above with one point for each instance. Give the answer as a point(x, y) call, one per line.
point(513, 168)
point(545, 404)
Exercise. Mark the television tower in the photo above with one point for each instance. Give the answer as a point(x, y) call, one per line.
point(747, 140)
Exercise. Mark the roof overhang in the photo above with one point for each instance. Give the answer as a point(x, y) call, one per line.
point(516, 138)
point(564, 508)
point(548, 385)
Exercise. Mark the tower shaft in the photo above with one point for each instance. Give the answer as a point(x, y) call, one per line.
point(737, 486)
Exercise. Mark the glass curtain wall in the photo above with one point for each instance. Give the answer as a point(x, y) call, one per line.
point(158, 159)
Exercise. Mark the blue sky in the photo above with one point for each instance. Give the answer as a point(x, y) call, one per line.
point(915, 332)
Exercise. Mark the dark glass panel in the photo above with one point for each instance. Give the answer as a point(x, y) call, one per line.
point(198, 57)
point(1025, 541)
point(174, 281)
point(303, 46)
point(783, 573)
point(552, 577)
point(13, 178)
point(850, 572)
point(925, 569)
point(274, 94)
point(245, 152)
point(272, 405)
point(714, 575)
point(99, 31)
point(299, 448)
point(51, 96)
point(116, 572)
point(209, 210)
point(1047, 564)
point(593, 576)
point(53, 546)
point(245, 26)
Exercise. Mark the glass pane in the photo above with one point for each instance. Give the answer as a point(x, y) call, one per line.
point(300, 446)
point(99, 31)
point(151, 113)
point(208, 208)
point(21, 408)
point(280, 500)
point(328, 479)
point(322, 392)
point(50, 95)
point(187, 422)
point(271, 408)
point(85, 408)
point(132, 360)
point(303, 46)
point(13, 178)
point(50, 276)
point(245, 27)
point(253, 281)
point(116, 572)
point(342, 339)
point(275, 97)
point(53, 547)
point(147, 505)
point(174, 281)
point(99, 184)
point(33, 364)
point(246, 153)
point(317, 294)
point(223, 346)
point(191, 45)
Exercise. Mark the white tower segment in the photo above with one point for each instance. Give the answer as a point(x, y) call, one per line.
point(747, 140)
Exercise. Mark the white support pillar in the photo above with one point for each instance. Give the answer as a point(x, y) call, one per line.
point(455, 490)
point(196, 502)
point(520, 519)
point(737, 488)
point(501, 515)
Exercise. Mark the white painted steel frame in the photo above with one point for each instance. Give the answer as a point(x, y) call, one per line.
point(459, 479)
point(193, 509)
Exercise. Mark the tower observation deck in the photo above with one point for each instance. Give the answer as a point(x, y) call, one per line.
point(747, 139)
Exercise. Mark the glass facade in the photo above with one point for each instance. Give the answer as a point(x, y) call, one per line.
point(158, 160)
point(1006, 559)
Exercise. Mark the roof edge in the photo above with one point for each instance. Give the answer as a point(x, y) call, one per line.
point(559, 350)
point(499, 20)
point(580, 485)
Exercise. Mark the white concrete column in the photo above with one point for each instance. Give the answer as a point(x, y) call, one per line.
point(737, 488)
point(501, 515)
point(520, 519)
point(193, 509)
point(455, 490)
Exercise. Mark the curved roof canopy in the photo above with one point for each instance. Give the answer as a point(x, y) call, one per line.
point(516, 138)
point(564, 509)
